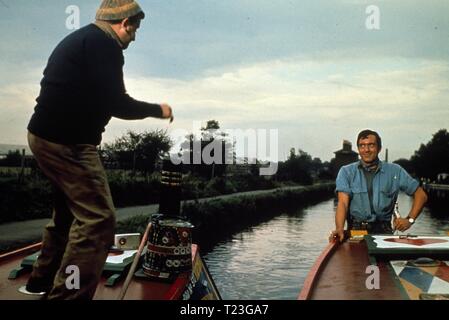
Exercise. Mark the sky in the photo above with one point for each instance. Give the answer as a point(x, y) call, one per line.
point(317, 71)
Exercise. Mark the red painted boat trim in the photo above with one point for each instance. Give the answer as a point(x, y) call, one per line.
point(177, 289)
point(12, 254)
point(315, 270)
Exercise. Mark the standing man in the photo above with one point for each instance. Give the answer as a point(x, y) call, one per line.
point(368, 190)
point(81, 90)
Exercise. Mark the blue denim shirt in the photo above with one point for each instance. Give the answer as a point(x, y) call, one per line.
point(389, 179)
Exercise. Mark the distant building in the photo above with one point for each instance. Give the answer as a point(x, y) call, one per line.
point(344, 156)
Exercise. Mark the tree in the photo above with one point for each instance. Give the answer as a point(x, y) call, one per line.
point(139, 151)
point(432, 158)
point(213, 144)
point(12, 159)
point(298, 167)
point(325, 172)
point(211, 125)
point(407, 165)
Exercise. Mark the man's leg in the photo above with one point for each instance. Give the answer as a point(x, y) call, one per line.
point(382, 227)
point(78, 172)
point(385, 227)
point(92, 231)
point(54, 241)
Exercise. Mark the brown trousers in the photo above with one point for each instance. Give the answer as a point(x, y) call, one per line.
point(82, 229)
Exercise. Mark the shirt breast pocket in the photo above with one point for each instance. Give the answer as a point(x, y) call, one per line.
point(358, 192)
point(387, 200)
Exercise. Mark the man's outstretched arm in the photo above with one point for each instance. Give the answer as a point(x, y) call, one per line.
point(340, 217)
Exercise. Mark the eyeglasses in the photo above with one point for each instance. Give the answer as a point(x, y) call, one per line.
point(367, 145)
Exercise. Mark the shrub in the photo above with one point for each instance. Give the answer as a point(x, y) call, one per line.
point(24, 201)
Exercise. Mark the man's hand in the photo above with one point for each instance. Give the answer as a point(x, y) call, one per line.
point(402, 224)
point(167, 112)
point(337, 234)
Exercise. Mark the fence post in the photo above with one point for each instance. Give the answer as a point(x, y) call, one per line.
point(22, 167)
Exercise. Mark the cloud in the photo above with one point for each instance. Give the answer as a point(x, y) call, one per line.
point(309, 68)
point(285, 86)
point(16, 107)
point(296, 96)
point(300, 96)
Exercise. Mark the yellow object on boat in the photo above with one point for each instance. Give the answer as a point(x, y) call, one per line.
point(355, 233)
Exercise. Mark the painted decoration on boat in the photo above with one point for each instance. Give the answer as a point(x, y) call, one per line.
point(403, 242)
point(416, 242)
point(420, 281)
point(201, 285)
point(168, 248)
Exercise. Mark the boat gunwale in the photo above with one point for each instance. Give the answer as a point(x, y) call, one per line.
point(21, 251)
point(312, 276)
point(174, 291)
point(334, 249)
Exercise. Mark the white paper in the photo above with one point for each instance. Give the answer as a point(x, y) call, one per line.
point(120, 258)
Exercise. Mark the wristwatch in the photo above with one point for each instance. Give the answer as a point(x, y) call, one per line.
point(411, 220)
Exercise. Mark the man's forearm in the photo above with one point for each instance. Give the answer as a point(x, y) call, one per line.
point(419, 200)
point(128, 108)
point(340, 216)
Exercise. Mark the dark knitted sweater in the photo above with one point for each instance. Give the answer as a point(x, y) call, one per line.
point(83, 88)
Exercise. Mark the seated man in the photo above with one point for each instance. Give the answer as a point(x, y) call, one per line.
point(369, 188)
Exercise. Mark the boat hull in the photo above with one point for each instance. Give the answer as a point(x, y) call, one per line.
point(349, 271)
point(197, 285)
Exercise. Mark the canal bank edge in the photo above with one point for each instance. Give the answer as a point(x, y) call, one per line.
point(222, 217)
point(216, 218)
point(211, 216)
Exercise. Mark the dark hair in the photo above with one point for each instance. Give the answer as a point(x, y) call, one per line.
point(132, 20)
point(365, 133)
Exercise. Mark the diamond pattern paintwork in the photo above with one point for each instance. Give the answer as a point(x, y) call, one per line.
point(421, 280)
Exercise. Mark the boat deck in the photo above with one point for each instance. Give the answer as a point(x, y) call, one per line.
point(342, 276)
point(139, 289)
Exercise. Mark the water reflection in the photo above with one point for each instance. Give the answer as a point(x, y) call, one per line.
point(271, 260)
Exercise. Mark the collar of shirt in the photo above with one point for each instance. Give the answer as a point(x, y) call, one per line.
point(374, 167)
point(106, 27)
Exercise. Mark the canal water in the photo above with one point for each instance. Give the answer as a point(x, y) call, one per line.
point(272, 259)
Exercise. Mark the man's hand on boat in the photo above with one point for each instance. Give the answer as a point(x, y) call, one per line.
point(338, 234)
point(401, 224)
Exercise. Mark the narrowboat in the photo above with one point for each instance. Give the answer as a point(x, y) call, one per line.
point(381, 267)
point(163, 264)
point(196, 284)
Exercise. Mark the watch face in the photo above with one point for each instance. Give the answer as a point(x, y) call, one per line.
point(411, 220)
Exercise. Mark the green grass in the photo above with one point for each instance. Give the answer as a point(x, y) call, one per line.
point(133, 225)
point(13, 171)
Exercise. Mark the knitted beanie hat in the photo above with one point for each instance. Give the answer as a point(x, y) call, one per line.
point(111, 10)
